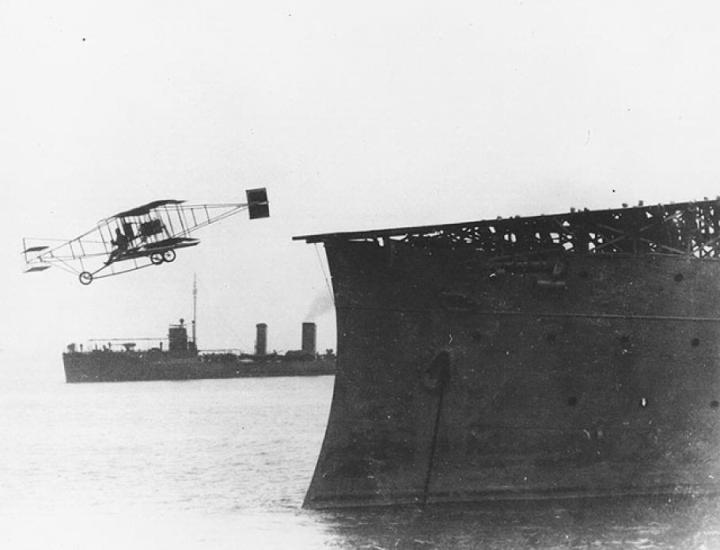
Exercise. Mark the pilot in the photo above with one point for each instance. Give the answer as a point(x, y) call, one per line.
point(120, 242)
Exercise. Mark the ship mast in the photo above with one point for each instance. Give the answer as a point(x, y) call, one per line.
point(194, 335)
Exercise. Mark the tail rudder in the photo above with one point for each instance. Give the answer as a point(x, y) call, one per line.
point(258, 205)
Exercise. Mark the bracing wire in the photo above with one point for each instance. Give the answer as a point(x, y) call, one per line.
point(325, 276)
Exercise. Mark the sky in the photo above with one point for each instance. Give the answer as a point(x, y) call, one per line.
point(353, 115)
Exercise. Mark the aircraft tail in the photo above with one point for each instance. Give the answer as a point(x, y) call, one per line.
point(258, 205)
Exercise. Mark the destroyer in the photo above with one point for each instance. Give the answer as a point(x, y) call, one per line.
point(569, 355)
point(182, 361)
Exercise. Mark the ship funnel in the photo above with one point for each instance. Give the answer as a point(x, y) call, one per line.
point(308, 338)
point(261, 339)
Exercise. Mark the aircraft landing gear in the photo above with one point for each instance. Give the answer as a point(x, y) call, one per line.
point(85, 277)
point(159, 257)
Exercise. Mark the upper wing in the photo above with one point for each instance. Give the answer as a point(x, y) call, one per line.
point(173, 218)
point(145, 209)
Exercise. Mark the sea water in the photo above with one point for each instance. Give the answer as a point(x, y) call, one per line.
point(225, 464)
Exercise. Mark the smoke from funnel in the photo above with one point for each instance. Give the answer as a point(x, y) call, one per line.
point(322, 303)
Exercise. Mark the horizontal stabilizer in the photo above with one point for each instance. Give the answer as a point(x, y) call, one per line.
point(37, 268)
point(36, 249)
point(258, 205)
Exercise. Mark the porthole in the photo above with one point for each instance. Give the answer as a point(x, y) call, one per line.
point(679, 277)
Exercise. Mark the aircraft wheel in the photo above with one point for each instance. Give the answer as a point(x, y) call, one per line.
point(169, 255)
point(156, 258)
point(85, 277)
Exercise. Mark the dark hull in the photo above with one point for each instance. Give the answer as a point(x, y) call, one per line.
point(131, 367)
point(459, 380)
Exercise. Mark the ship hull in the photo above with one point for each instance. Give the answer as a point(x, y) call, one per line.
point(107, 366)
point(461, 378)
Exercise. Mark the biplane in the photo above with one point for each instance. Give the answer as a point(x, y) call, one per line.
point(140, 237)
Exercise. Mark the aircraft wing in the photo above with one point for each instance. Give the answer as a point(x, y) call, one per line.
point(146, 208)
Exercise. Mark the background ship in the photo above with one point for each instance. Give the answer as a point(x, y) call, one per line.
point(181, 360)
point(570, 355)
